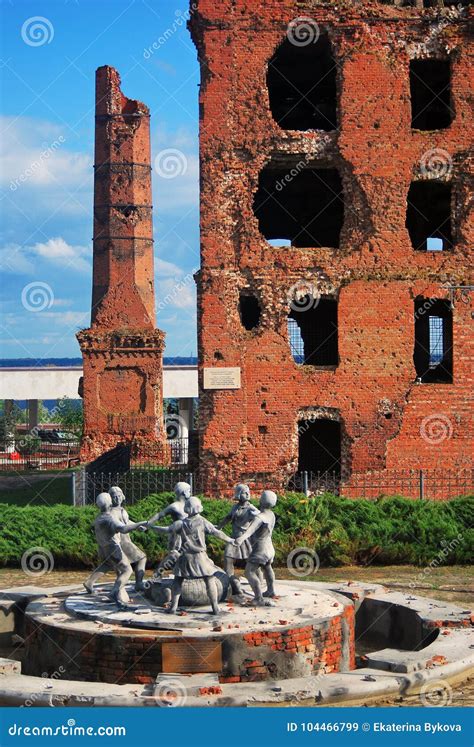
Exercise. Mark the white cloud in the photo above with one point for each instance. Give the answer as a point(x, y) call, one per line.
point(14, 259)
point(35, 153)
point(68, 318)
point(60, 252)
point(18, 259)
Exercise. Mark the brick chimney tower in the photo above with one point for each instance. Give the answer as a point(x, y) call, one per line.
point(122, 350)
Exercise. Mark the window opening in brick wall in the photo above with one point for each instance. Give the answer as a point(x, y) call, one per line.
point(319, 446)
point(301, 82)
point(430, 88)
point(428, 218)
point(249, 310)
point(303, 205)
point(313, 331)
point(433, 353)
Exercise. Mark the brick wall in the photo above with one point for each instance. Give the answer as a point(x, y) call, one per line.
point(375, 273)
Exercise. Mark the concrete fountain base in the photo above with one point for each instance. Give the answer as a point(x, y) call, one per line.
point(410, 644)
point(308, 631)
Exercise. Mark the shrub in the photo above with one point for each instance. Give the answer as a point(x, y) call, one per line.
point(385, 531)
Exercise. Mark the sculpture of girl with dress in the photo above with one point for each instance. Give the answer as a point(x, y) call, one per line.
point(240, 516)
point(193, 560)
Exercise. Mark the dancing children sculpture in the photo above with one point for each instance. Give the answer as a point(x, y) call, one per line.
point(241, 516)
point(263, 552)
point(176, 512)
point(108, 532)
point(182, 491)
point(135, 554)
point(193, 560)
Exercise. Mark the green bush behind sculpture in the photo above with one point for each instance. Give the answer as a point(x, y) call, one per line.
point(342, 531)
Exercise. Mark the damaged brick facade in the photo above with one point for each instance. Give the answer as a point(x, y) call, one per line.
point(368, 147)
point(122, 350)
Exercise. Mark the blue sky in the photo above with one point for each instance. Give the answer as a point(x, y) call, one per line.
point(50, 51)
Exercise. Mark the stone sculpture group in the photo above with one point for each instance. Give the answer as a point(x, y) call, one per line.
point(250, 544)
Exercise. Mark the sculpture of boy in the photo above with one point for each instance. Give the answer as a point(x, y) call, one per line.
point(263, 552)
point(193, 560)
point(135, 554)
point(108, 532)
point(241, 516)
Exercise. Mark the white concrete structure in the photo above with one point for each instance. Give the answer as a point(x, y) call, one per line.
point(54, 382)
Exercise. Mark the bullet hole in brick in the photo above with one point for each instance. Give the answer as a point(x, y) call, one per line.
point(319, 446)
point(388, 415)
point(301, 84)
point(304, 205)
point(263, 405)
point(433, 353)
point(429, 214)
point(218, 355)
point(430, 87)
point(377, 125)
point(249, 310)
point(262, 429)
point(313, 332)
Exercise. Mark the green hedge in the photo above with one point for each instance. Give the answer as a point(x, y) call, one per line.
point(386, 531)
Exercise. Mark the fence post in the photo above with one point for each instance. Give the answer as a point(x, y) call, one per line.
point(305, 483)
point(422, 485)
point(73, 488)
point(190, 481)
point(79, 487)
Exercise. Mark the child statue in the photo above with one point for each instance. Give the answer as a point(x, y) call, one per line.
point(182, 491)
point(176, 512)
point(135, 554)
point(193, 560)
point(108, 532)
point(241, 516)
point(263, 553)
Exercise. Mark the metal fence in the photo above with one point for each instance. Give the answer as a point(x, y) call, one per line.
point(422, 484)
point(22, 453)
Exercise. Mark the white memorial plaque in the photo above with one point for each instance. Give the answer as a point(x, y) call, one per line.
point(221, 378)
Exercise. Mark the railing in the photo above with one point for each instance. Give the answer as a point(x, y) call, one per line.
point(430, 484)
point(21, 454)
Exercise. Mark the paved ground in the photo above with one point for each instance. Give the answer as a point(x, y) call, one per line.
point(451, 583)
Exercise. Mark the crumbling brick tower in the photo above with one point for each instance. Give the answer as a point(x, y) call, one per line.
point(335, 190)
point(122, 350)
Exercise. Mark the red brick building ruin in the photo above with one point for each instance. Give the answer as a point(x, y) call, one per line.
point(122, 350)
point(336, 179)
